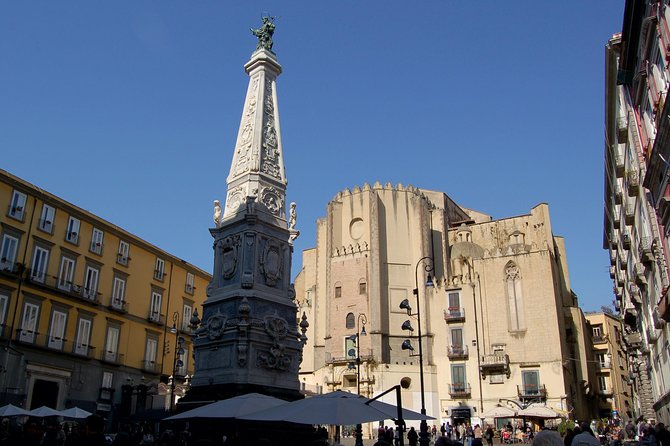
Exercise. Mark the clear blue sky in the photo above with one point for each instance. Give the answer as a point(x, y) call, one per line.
point(130, 109)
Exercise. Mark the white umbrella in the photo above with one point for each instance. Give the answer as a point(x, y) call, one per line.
point(11, 410)
point(538, 412)
point(499, 412)
point(44, 411)
point(232, 407)
point(75, 412)
point(321, 409)
point(390, 410)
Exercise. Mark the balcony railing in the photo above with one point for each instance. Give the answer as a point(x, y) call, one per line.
point(619, 163)
point(345, 360)
point(64, 286)
point(118, 305)
point(638, 272)
point(532, 391)
point(605, 392)
point(454, 314)
point(84, 350)
point(111, 357)
point(633, 182)
point(457, 351)
point(156, 318)
point(494, 364)
point(599, 339)
point(459, 390)
point(150, 366)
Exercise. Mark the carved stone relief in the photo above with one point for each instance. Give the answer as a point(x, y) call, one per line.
point(215, 325)
point(270, 163)
point(229, 255)
point(272, 263)
point(272, 199)
point(234, 199)
point(245, 142)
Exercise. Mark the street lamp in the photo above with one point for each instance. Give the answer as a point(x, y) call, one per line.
point(178, 351)
point(424, 436)
point(362, 318)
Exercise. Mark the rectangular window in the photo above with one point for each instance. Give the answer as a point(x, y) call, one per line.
point(96, 241)
point(57, 330)
point(72, 230)
point(4, 300)
point(457, 339)
point(602, 359)
point(81, 346)
point(17, 206)
point(118, 292)
point(112, 344)
point(29, 323)
point(362, 288)
point(190, 279)
point(38, 271)
point(107, 380)
point(531, 382)
point(66, 273)
point(602, 382)
point(124, 251)
point(160, 269)
point(90, 290)
point(186, 319)
point(10, 245)
point(155, 307)
point(338, 291)
point(458, 377)
point(150, 354)
point(46, 222)
point(454, 303)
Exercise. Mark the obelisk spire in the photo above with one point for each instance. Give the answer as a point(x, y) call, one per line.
point(257, 169)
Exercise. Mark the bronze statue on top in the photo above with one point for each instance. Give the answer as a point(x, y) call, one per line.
point(264, 34)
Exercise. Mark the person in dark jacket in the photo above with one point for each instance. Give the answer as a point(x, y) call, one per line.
point(412, 436)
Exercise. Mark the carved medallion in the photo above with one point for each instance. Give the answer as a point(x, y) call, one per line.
point(272, 263)
point(276, 327)
point(215, 326)
point(271, 198)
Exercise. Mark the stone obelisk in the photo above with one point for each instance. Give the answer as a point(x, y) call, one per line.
point(248, 339)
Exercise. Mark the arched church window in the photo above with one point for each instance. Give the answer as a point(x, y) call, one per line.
point(514, 297)
point(351, 321)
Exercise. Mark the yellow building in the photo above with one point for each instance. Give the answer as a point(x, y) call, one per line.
point(611, 366)
point(91, 315)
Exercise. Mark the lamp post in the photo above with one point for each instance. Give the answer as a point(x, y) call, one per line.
point(424, 436)
point(178, 351)
point(362, 318)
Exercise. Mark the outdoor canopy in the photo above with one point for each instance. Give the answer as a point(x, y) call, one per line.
point(44, 411)
point(499, 412)
point(75, 412)
point(231, 407)
point(538, 412)
point(389, 409)
point(336, 409)
point(11, 410)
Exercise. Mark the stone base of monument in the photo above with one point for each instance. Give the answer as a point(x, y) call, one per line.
point(199, 396)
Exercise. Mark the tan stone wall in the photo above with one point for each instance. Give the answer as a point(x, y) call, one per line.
point(379, 234)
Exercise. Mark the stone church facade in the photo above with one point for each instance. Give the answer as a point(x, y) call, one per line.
point(499, 324)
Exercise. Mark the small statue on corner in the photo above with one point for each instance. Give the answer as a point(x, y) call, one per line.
point(217, 213)
point(292, 216)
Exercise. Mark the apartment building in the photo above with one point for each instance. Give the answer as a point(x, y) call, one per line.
point(614, 390)
point(636, 223)
point(91, 315)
